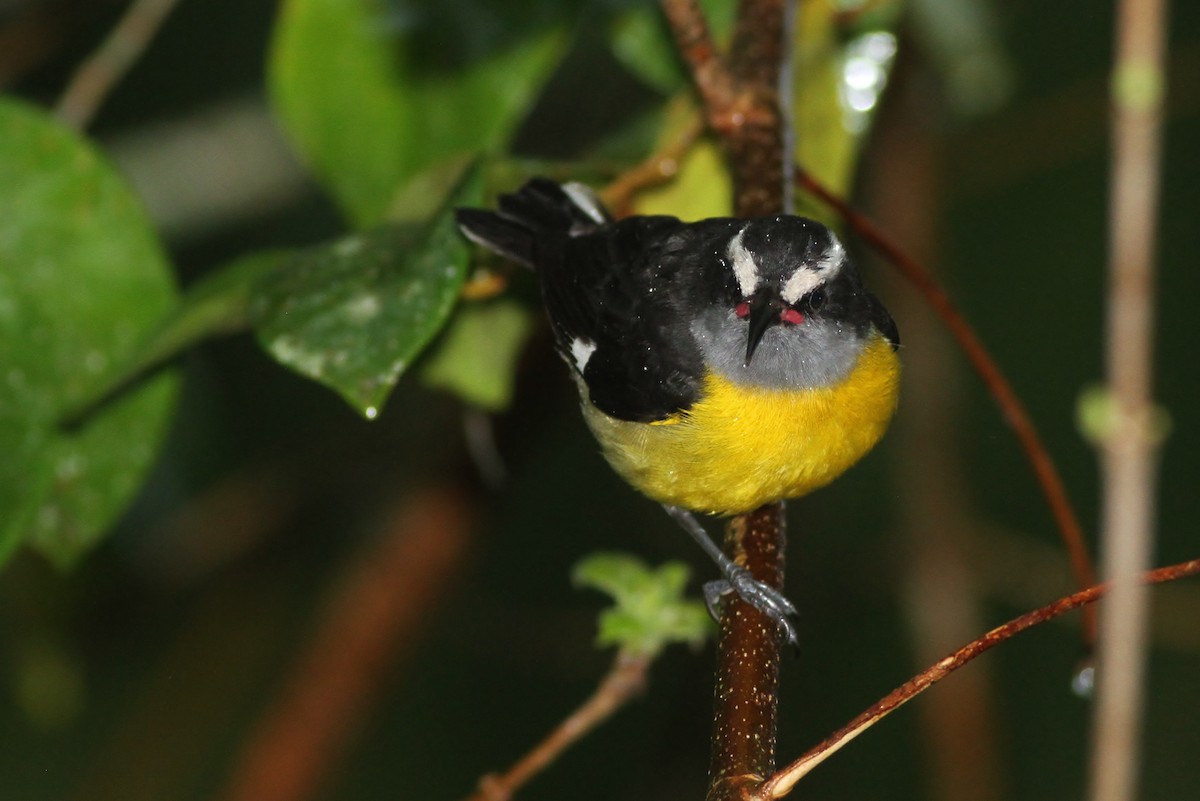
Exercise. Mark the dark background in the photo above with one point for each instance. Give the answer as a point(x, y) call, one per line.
point(141, 674)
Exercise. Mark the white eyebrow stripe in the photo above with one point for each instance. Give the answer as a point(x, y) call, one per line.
point(800, 283)
point(806, 278)
point(745, 269)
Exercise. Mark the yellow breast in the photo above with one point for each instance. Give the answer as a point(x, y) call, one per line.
point(740, 447)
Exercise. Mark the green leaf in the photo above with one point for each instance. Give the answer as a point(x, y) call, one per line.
point(355, 314)
point(477, 357)
point(424, 194)
point(217, 304)
point(642, 43)
point(372, 91)
point(82, 275)
point(650, 611)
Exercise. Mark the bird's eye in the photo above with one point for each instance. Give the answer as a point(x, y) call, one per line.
point(816, 299)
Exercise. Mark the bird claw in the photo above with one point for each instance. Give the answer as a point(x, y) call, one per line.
point(763, 597)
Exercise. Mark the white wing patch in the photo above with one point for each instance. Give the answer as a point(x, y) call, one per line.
point(585, 200)
point(581, 351)
point(745, 269)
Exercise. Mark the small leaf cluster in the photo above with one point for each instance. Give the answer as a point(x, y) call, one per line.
point(649, 609)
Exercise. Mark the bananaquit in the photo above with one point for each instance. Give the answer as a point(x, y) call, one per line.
point(722, 364)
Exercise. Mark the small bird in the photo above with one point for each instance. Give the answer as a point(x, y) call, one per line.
point(721, 364)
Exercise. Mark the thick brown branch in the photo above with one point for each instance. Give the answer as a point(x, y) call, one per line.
point(747, 680)
point(742, 110)
point(756, 151)
point(758, 42)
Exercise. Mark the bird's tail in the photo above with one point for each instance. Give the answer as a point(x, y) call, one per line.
point(529, 219)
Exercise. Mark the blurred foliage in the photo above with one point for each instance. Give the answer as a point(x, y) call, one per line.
point(81, 272)
point(373, 92)
point(477, 358)
point(394, 105)
point(164, 646)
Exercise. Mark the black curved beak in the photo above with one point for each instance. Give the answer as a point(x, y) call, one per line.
point(764, 311)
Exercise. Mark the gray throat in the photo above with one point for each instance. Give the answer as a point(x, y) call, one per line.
point(816, 353)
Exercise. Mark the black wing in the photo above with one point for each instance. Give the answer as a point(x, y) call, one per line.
point(613, 289)
point(538, 217)
point(607, 290)
point(884, 322)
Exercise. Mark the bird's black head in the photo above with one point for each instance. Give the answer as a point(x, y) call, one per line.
point(786, 269)
point(780, 304)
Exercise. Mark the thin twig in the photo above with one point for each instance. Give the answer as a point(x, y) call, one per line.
point(993, 377)
point(782, 782)
point(97, 76)
point(657, 169)
point(1129, 448)
point(626, 679)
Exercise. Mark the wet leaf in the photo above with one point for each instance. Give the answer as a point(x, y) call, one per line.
point(355, 314)
point(82, 276)
point(373, 91)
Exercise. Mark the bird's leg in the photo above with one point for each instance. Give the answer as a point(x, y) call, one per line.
point(762, 597)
